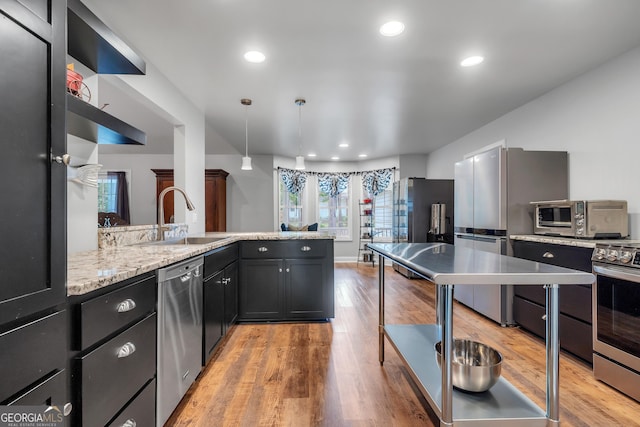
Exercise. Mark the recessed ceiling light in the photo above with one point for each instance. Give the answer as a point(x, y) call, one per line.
point(362, 155)
point(392, 28)
point(471, 61)
point(254, 56)
point(335, 158)
point(311, 155)
point(343, 145)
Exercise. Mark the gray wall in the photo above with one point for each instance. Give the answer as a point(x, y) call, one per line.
point(595, 117)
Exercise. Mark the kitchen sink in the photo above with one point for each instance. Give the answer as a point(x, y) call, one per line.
point(183, 241)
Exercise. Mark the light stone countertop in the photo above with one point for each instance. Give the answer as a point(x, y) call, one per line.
point(91, 270)
point(568, 241)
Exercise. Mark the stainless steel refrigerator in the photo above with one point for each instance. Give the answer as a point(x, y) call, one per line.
point(493, 191)
point(411, 220)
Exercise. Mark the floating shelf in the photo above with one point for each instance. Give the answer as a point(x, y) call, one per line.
point(94, 44)
point(88, 122)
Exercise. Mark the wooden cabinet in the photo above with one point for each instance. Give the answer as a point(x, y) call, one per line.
point(215, 196)
point(286, 280)
point(575, 300)
point(220, 296)
point(33, 340)
point(114, 353)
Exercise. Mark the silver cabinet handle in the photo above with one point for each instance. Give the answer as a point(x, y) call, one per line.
point(544, 317)
point(263, 249)
point(287, 270)
point(280, 270)
point(548, 255)
point(126, 305)
point(130, 423)
point(67, 408)
point(305, 248)
point(64, 159)
point(126, 350)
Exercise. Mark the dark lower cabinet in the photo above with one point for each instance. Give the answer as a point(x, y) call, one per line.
point(113, 354)
point(575, 320)
point(286, 280)
point(220, 290)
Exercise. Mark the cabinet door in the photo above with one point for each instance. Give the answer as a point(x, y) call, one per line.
point(305, 289)
point(230, 296)
point(261, 289)
point(213, 313)
point(32, 101)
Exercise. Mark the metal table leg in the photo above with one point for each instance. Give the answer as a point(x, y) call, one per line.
point(446, 311)
point(553, 355)
point(381, 309)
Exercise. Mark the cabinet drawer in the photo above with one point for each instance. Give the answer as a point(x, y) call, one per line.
point(110, 378)
point(575, 300)
point(52, 391)
point(574, 257)
point(141, 411)
point(104, 315)
point(575, 336)
point(218, 259)
point(284, 249)
point(41, 348)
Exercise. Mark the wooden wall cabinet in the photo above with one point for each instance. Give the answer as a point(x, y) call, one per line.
point(215, 196)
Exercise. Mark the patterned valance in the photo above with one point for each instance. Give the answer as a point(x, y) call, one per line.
point(294, 180)
point(375, 182)
point(333, 183)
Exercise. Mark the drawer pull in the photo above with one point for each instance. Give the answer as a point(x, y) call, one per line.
point(126, 305)
point(548, 255)
point(544, 317)
point(288, 270)
point(130, 423)
point(305, 248)
point(67, 408)
point(263, 249)
point(126, 350)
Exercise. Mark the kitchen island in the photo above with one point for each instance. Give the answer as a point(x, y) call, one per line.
point(445, 265)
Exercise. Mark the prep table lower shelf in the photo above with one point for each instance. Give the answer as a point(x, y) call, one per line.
point(502, 405)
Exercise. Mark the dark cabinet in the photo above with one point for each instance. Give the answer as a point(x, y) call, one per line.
point(286, 280)
point(215, 196)
point(220, 290)
point(575, 320)
point(33, 340)
point(114, 353)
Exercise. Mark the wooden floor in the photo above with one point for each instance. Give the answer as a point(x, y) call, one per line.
point(328, 374)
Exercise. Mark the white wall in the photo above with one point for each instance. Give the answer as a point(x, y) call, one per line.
point(82, 201)
point(412, 165)
point(595, 117)
point(250, 197)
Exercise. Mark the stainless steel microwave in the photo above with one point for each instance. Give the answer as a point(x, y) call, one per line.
point(588, 219)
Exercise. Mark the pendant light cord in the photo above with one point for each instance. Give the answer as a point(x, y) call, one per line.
point(246, 130)
point(300, 129)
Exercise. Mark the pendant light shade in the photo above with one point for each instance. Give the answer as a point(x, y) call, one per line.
point(246, 160)
point(300, 158)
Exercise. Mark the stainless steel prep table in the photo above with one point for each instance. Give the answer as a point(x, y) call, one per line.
point(446, 265)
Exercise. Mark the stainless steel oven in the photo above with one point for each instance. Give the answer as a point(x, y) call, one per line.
point(616, 317)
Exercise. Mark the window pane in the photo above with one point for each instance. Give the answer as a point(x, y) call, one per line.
point(290, 206)
point(333, 214)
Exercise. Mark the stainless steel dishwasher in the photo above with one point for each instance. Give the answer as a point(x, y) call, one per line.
point(179, 333)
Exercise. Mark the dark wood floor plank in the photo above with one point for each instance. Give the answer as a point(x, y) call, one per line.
point(328, 374)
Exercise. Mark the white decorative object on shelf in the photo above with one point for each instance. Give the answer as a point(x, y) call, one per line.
point(84, 175)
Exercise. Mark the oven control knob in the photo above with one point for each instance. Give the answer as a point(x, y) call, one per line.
point(612, 255)
point(626, 256)
point(600, 253)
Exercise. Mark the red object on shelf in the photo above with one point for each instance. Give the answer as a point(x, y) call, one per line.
point(74, 81)
point(366, 201)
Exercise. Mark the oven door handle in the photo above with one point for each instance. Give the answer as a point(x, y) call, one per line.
point(616, 273)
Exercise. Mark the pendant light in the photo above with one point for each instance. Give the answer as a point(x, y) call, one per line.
point(300, 158)
point(246, 160)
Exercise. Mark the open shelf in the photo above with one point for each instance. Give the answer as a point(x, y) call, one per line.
point(90, 123)
point(94, 44)
point(502, 405)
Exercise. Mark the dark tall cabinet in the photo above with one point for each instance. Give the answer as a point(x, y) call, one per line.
point(32, 218)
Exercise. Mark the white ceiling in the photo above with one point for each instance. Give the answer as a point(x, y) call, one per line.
point(384, 96)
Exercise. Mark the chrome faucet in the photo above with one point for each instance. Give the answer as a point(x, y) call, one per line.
point(190, 206)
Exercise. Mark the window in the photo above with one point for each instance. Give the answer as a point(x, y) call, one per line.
point(290, 206)
point(334, 215)
point(383, 215)
point(107, 192)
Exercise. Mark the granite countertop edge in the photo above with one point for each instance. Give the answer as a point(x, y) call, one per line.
point(568, 241)
point(91, 270)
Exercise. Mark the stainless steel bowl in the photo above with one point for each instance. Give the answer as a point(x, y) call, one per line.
point(475, 366)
